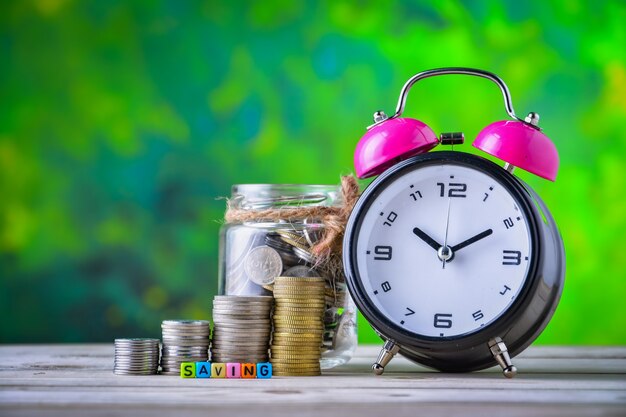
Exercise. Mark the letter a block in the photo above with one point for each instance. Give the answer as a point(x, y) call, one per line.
point(203, 369)
point(248, 370)
point(218, 370)
point(233, 370)
point(188, 370)
point(263, 370)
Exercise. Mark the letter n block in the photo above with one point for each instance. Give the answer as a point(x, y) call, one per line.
point(233, 370)
point(218, 370)
point(263, 370)
point(248, 370)
point(188, 370)
point(203, 369)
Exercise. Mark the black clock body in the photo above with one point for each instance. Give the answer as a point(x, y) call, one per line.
point(524, 319)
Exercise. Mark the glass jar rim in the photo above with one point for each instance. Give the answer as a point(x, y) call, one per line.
point(261, 196)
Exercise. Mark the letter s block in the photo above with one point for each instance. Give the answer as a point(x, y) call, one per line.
point(188, 370)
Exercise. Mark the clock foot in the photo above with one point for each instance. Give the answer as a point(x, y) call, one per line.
point(501, 355)
point(387, 353)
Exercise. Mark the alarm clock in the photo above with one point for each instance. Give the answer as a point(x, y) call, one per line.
point(454, 261)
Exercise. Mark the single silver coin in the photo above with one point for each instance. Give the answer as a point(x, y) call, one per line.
point(253, 341)
point(174, 348)
point(304, 255)
point(243, 298)
point(263, 264)
point(300, 271)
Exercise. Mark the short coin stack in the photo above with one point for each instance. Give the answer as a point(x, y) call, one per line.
point(242, 328)
point(184, 341)
point(136, 356)
point(298, 326)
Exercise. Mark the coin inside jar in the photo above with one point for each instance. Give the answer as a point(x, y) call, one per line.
point(263, 264)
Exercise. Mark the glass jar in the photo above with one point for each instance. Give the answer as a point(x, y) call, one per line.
point(257, 244)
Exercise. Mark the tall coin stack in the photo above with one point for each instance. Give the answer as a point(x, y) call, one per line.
point(184, 341)
point(298, 326)
point(242, 328)
point(136, 356)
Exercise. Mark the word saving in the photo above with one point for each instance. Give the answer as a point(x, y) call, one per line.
point(262, 370)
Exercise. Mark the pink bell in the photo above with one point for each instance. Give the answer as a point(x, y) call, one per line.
point(390, 142)
point(521, 145)
point(518, 142)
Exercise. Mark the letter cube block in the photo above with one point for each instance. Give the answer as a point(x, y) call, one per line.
point(203, 369)
point(263, 370)
point(248, 370)
point(218, 370)
point(233, 370)
point(188, 370)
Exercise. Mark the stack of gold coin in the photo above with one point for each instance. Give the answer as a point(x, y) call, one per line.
point(298, 326)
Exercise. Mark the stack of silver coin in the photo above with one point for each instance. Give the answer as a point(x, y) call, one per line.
point(184, 341)
point(136, 356)
point(242, 328)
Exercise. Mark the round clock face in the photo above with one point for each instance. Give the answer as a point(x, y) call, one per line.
point(442, 250)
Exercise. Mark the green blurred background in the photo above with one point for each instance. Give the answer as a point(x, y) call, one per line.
point(122, 122)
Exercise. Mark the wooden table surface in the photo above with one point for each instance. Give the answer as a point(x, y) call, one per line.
point(77, 380)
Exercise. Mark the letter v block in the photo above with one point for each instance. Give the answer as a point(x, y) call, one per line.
point(218, 370)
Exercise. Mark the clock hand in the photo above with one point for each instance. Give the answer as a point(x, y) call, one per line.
point(444, 252)
point(472, 240)
point(429, 240)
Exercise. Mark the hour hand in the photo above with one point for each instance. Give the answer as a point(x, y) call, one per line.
point(429, 240)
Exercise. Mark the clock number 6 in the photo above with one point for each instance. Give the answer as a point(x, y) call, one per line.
point(442, 321)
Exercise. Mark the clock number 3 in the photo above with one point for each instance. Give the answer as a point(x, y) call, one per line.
point(511, 257)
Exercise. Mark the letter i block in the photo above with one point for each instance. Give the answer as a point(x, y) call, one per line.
point(233, 370)
point(263, 370)
point(218, 370)
point(203, 369)
point(188, 370)
point(248, 370)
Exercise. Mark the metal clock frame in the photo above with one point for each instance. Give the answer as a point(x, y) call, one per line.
point(508, 334)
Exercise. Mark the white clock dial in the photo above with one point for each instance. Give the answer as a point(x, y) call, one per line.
point(401, 255)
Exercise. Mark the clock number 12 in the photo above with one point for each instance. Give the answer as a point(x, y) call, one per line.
point(455, 189)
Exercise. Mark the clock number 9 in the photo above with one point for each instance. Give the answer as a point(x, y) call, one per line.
point(383, 252)
point(442, 321)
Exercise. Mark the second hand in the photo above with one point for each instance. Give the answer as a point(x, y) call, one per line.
point(445, 240)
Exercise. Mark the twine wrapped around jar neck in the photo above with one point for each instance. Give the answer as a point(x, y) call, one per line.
point(334, 219)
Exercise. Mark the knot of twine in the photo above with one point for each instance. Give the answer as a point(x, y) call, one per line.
point(334, 219)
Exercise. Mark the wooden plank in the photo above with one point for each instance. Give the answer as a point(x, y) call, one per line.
point(78, 380)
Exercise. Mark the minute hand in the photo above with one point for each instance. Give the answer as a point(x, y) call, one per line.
point(471, 240)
